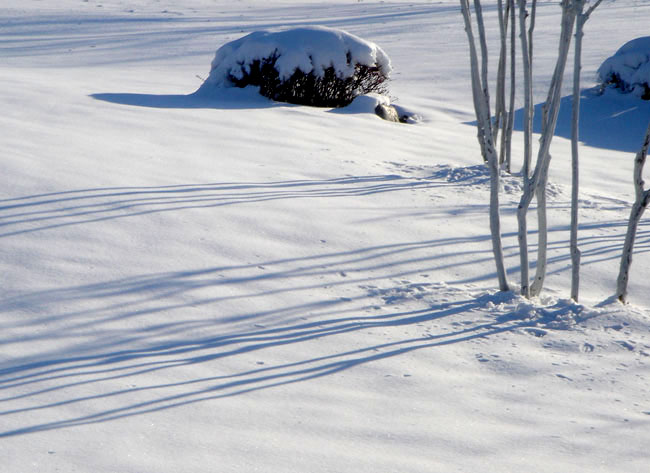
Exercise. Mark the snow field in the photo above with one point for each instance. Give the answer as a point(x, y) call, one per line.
point(237, 285)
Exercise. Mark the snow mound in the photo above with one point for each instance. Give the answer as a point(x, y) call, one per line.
point(506, 308)
point(368, 103)
point(629, 69)
point(474, 176)
point(478, 175)
point(309, 49)
point(365, 104)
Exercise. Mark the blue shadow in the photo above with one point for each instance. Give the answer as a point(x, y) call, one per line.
point(230, 98)
point(608, 120)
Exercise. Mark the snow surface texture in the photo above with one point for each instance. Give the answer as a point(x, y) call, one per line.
point(309, 49)
point(233, 285)
point(629, 69)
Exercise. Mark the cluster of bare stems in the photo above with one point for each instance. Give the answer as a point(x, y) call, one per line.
point(495, 132)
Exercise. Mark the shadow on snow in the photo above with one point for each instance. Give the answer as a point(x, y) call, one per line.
point(59, 209)
point(610, 120)
point(74, 371)
point(172, 308)
point(230, 98)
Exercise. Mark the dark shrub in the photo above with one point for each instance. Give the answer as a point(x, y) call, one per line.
point(326, 90)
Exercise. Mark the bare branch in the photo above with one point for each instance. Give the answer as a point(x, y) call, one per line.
point(511, 107)
point(641, 202)
point(581, 19)
point(591, 9)
point(481, 105)
point(528, 90)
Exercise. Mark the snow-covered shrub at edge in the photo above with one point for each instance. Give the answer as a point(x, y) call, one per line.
point(313, 48)
point(629, 68)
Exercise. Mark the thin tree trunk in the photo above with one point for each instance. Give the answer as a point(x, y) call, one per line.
point(484, 54)
point(575, 164)
point(481, 103)
point(522, 237)
point(531, 29)
point(495, 221)
point(628, 248)
point(477, 93)
point(542, 233)
point(581, 19)
point(522, 209)
point(500, 100)
point(640, 204)
point(507, 134)
point(528, 90)
point(536, 183)
point(544, 157)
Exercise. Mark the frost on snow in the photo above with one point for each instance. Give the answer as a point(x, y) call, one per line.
point(629, 68)
point(310, 49)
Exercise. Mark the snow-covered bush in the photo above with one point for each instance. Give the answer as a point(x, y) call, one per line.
point(316, 66)
point(629, 69)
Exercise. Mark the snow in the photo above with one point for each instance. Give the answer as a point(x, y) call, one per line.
point(629, 67)
point(225, 283)
point(309, 49)
point(365, 104)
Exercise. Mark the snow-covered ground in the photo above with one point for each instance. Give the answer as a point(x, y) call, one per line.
point(235, 285)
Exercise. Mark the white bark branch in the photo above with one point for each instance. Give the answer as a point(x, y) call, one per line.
point(574, 250)
point(500, 100)
point(482, 109)
point(507, 134)
point(540, 176)
point(575, 165)
point(535, 184)
point(528, 90)
point(640, 204)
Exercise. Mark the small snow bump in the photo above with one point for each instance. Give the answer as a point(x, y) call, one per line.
point(587, 348)
point(536, 332)
point(561, 376)
point(627, 345)
point(616, 327)
point(481, 358)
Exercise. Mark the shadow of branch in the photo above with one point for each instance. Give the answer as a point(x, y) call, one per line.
point(211, 388)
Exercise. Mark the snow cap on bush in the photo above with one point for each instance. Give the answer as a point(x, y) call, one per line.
point(629, 69)
point(308, 49)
